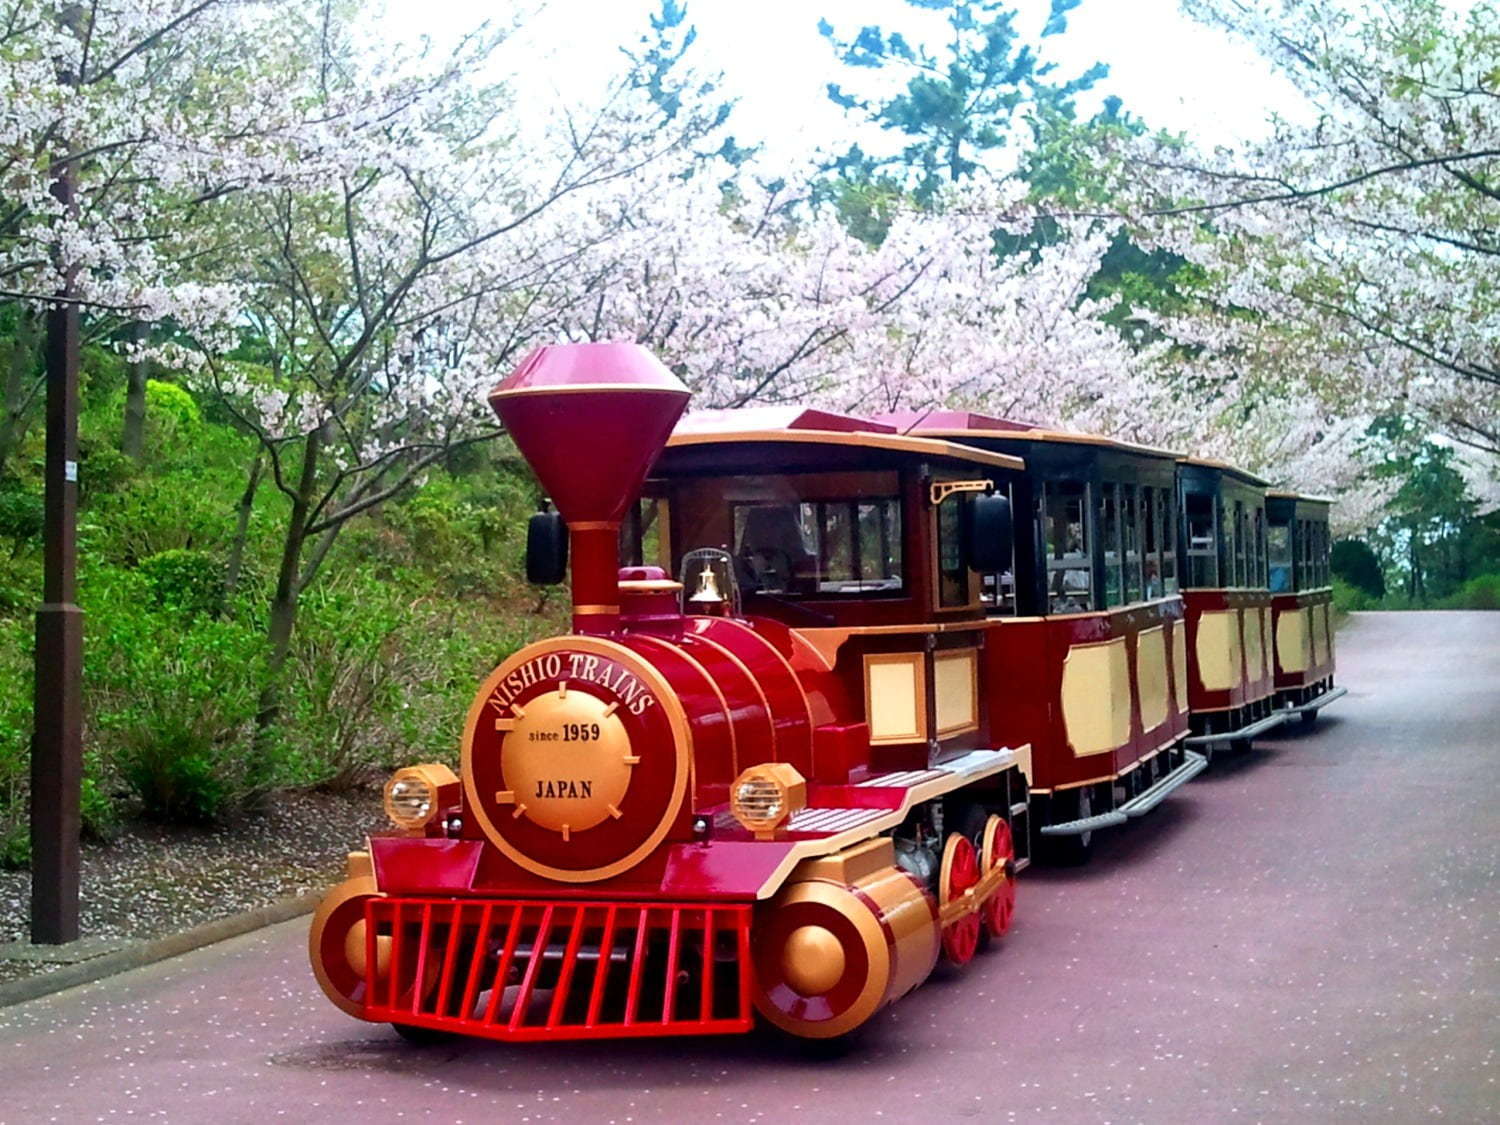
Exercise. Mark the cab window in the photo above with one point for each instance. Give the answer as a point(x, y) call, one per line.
point(817, 547)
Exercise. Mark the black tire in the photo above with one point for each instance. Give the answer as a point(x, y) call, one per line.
point(424, 1036)
point(1074, 851)
point(1308, 718)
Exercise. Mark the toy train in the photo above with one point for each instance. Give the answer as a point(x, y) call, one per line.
point(792, 778)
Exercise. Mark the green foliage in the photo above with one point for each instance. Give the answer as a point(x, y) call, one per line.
point(1357, 564)
point(958, 104)
point(171, 409)
point(1482, 592)
point(1351, 599)
point(189, 582)
point(21, 515)
point(171, 699)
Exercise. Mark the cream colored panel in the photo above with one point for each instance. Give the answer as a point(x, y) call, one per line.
point(895, 697)
point(1219, 659)
point(1266, 669)
point(1328, 628)
point(955, 677)
point(1096, 696)
point(1291, 641)
point(1319, 632)
point(1151, 676)
point(1255, 653)
point(1179, 662)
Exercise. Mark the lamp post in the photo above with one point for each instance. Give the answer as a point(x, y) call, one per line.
point(57, 708)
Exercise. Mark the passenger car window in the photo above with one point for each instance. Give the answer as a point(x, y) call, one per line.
point(1279, 548)
point(1109, 531)
point(1202, 546)
point(1070, 567)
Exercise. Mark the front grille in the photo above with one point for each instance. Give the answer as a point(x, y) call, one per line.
point(520, 969)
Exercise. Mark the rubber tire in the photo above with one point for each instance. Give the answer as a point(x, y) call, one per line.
point(1073, 851)
point(424, 1036)
point(1308, 718)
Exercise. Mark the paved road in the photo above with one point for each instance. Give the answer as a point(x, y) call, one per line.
point(1310, 932)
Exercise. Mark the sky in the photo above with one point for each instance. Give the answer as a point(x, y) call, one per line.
point(1170, 71)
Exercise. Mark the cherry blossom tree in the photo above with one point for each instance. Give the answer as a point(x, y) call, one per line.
point(1350, 257)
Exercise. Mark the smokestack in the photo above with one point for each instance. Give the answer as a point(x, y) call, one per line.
point(590, 419)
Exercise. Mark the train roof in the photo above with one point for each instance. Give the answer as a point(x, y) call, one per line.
point(1300, 497)
point(812, 432)
point(965, 425)
point(1225, 467)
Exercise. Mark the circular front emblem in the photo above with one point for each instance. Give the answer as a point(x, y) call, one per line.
point(575, 758)
point(567, 760)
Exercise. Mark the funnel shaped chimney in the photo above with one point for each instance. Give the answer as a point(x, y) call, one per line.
point(590, 419)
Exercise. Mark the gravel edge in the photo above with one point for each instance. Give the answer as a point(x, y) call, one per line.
point(160, 949)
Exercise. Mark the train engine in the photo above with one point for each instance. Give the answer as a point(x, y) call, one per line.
point(667, 821)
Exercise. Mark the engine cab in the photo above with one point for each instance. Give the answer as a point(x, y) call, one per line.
point(1298, 547)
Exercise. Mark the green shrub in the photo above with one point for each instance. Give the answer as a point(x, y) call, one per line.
point(1482, 592)
point(1355, 562)
point(171, 700)
point(170, 409)
point(190, 582)
point(1351, 599)
point(21, 516)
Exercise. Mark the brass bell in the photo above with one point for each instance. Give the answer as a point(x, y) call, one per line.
point(707, 592)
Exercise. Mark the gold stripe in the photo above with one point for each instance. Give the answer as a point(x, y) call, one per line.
point(590, 388)
point(749, 675)
point(593, 525)
point(591, 610)
point(734, 745)
point(897, 442)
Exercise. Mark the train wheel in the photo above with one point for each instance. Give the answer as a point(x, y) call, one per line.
point(998, 850)
point(424, 1036)
point(960, 872)
point(1074, 850)
point(1308, 718)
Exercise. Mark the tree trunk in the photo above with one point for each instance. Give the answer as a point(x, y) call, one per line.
point(20, 385)
point(241, 531)
point(283, 614)
point(133, 437)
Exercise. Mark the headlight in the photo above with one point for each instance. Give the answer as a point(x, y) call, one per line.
point(765, 796)
point(416, 794)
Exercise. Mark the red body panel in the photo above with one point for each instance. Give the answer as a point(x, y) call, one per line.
point(1024, 663)
point(1253, 683)
point(1316, 671)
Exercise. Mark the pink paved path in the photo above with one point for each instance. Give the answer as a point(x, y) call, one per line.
point(1309, 932)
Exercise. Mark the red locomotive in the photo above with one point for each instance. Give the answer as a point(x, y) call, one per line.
point(686, 812)
point(792, 753)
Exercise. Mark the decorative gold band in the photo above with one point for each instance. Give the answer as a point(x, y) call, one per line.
point(594, 610)
point(594, 525)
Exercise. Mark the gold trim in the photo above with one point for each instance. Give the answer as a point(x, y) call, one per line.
point(590, 388)
point(896, 442)
point(953, 433)
point(970, 656)
point(765, 701)
point(843, 902)
point(650, 586)
point(913, 795)
point(593, 525)
point(917, 662)
point(671, 706)
point(587, 610)
point(940, 490)
point(363, 886)
point(734, 745)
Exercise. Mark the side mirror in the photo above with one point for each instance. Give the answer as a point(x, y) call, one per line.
point(546, 549)
point(989, 533)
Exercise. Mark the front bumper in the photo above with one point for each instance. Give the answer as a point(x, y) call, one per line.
point(525, 970)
